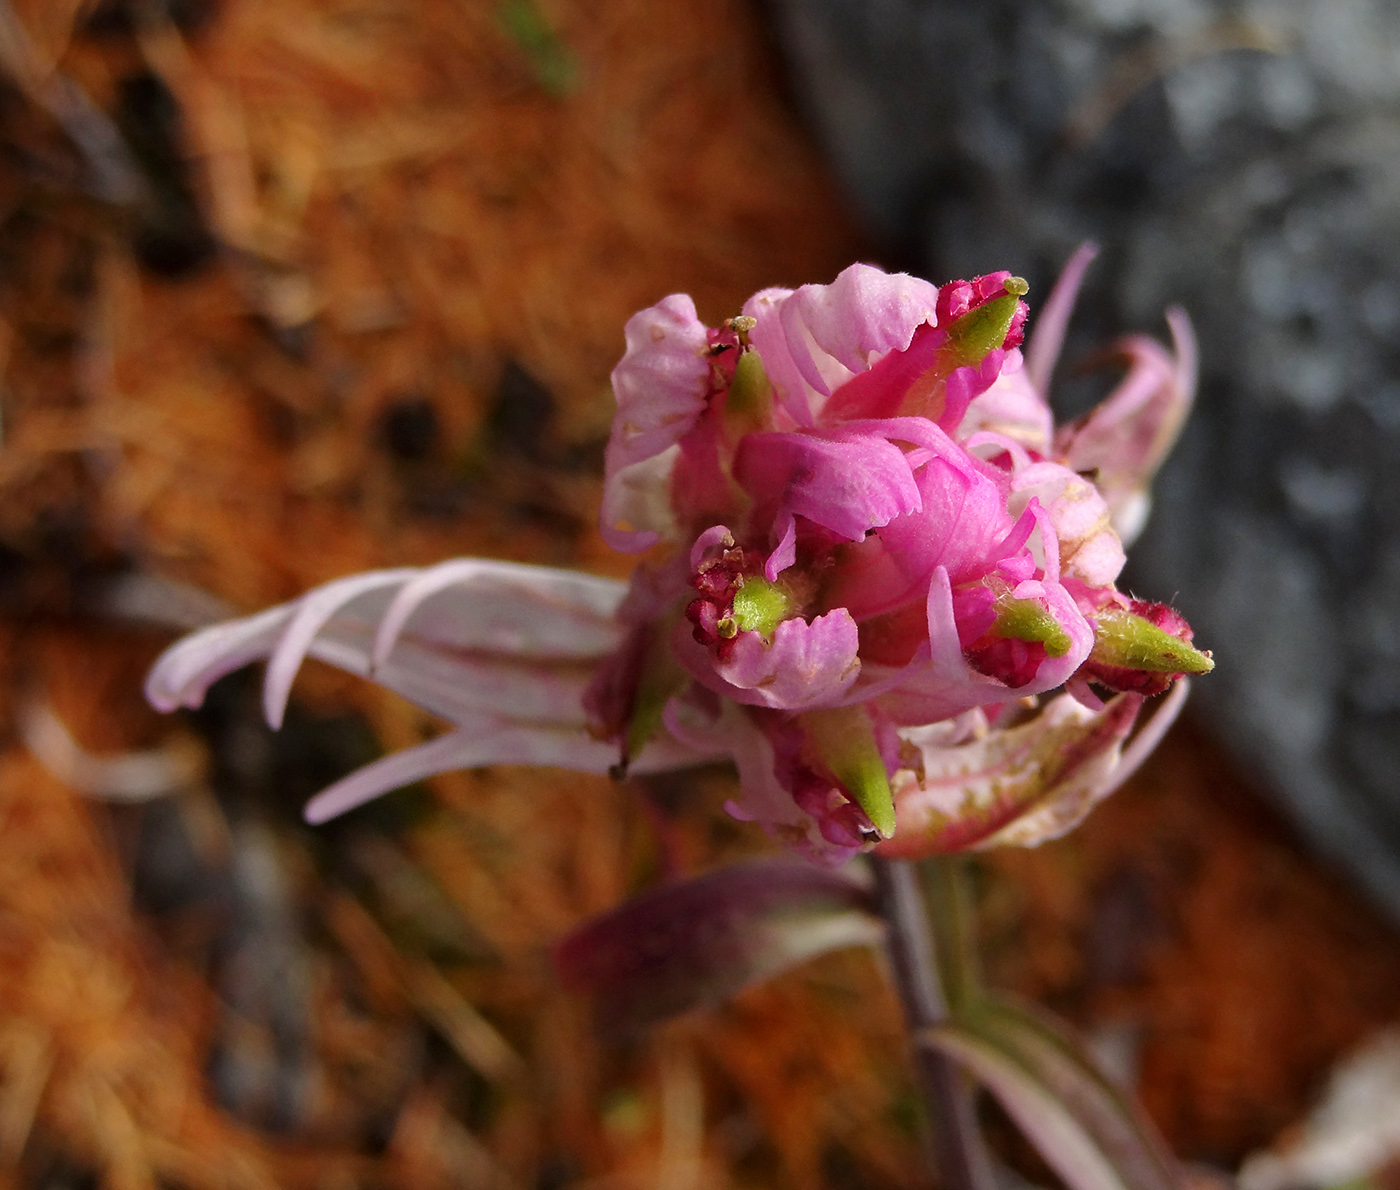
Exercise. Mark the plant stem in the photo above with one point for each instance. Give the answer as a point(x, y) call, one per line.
point(959, 1154)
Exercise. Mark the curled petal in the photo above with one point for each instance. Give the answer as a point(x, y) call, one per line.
point(486, 740)
point(940, 684)
point(865, 312)
point(937, 683)
point(1044, 347)
point(1124, 440)
point(715, 538)
point(517, 638)
point(660, 385)
point(803, 666)
point(188, 668)
point(1017, 785)
point(814, 339)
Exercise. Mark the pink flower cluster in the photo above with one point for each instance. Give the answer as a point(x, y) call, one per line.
point(876, 578)
point(870, 527)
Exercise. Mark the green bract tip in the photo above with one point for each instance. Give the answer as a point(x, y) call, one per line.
point(1131, 642)
point(979, 331)
point(845, 742)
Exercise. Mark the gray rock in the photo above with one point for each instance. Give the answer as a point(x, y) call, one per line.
point(1241, 159)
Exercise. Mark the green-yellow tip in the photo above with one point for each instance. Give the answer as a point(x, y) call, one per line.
point(1132, 642)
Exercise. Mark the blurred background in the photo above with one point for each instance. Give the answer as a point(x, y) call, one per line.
point(288, 292)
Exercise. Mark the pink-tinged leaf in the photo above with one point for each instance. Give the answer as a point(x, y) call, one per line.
point(698, 941)
point(1086, 1128)
point(1016, 785)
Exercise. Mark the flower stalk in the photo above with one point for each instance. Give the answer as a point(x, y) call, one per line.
point(959, 1155)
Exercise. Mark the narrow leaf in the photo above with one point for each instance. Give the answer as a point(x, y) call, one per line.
point(1088, 1130)
point(698, 941)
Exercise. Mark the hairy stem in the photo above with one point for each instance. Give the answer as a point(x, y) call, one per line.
point(959, 1154)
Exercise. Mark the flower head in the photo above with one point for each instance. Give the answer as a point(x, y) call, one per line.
point(870, 564)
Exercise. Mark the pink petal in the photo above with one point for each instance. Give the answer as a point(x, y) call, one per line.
point(843, 480)
point(804, 666)
point(660, 385)
point(939, 683)
point(762, 798)
point(1013, 406)
point(961, 521)
point(965, 384)
point(814, 339)
point(1089, 549)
